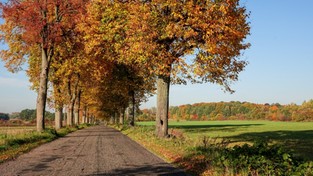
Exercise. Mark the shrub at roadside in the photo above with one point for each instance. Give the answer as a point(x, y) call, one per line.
point(258, 159)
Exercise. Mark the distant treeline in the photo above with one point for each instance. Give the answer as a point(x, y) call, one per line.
point(236, 111)
point(4, 116)
point(26, 114)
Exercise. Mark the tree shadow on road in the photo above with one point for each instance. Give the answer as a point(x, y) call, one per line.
point(42, 166)
point(145, 170)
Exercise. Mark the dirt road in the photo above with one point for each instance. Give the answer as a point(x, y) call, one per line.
point(96, 150)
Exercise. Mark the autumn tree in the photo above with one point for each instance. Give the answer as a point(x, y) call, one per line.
point(38, 24)
point(199, 41)
point(58, 88)
point(113, 36)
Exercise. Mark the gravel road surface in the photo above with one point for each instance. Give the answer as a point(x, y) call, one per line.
point(97, 150)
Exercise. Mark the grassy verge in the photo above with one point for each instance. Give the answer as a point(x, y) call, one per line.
point(18, 140)
point(194, 147)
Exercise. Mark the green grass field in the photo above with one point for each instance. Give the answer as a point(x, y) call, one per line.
point(295, 136)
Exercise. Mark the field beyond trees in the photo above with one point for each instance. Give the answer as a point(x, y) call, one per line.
point(191, 143)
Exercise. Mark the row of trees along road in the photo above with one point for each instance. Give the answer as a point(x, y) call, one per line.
point(98, 56)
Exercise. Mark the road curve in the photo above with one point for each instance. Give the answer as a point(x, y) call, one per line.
point(97, 150)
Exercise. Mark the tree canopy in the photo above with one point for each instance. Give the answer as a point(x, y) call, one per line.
point(103, 58)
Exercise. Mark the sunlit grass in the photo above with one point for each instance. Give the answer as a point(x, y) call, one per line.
point(297, 136)
point(16, 130)
point(7, 132)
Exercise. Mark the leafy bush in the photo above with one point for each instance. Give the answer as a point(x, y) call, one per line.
point(258, 159)
point(4, 116)
point(84, 125)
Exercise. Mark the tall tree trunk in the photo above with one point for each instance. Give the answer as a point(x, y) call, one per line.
point(92, 119)
point(86, 114)
point(87, 117)
point(76, 116)
point(127, 113)
point(116, 116)
point(77, 107)
point(65, 117)
point(163, 87)
point(69, 120)
point(112, 119)
point(68, 116)
point(71, 117)
point(84, 120)
point(122, 115)
point(58, 117)
point(83, 117)
point(43, 87)
point(72, 96)
point(132, 116)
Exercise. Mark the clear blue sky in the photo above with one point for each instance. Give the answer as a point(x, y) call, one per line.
point(280, 66)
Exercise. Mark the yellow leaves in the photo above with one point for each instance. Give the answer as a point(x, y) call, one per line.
point(177, 16)
point(147, 38)
point(13, 53)
point(189, 34)
point(204, 25)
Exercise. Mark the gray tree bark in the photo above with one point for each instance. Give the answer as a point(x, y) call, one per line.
point(76, 116)
point(72, 95)
point(58, 117)
point(43, 87)
point(111, 119)
point(92, 119)
point(122, 115)
point(127, 113)
point(163, 86)
point(87, 117)
point(70, 114)
point(84, 118)
point(132, 115)
point(116, 118)
point(64, 118)
point(77, 108)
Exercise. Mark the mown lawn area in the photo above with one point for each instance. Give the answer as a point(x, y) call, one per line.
point(295, 136)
